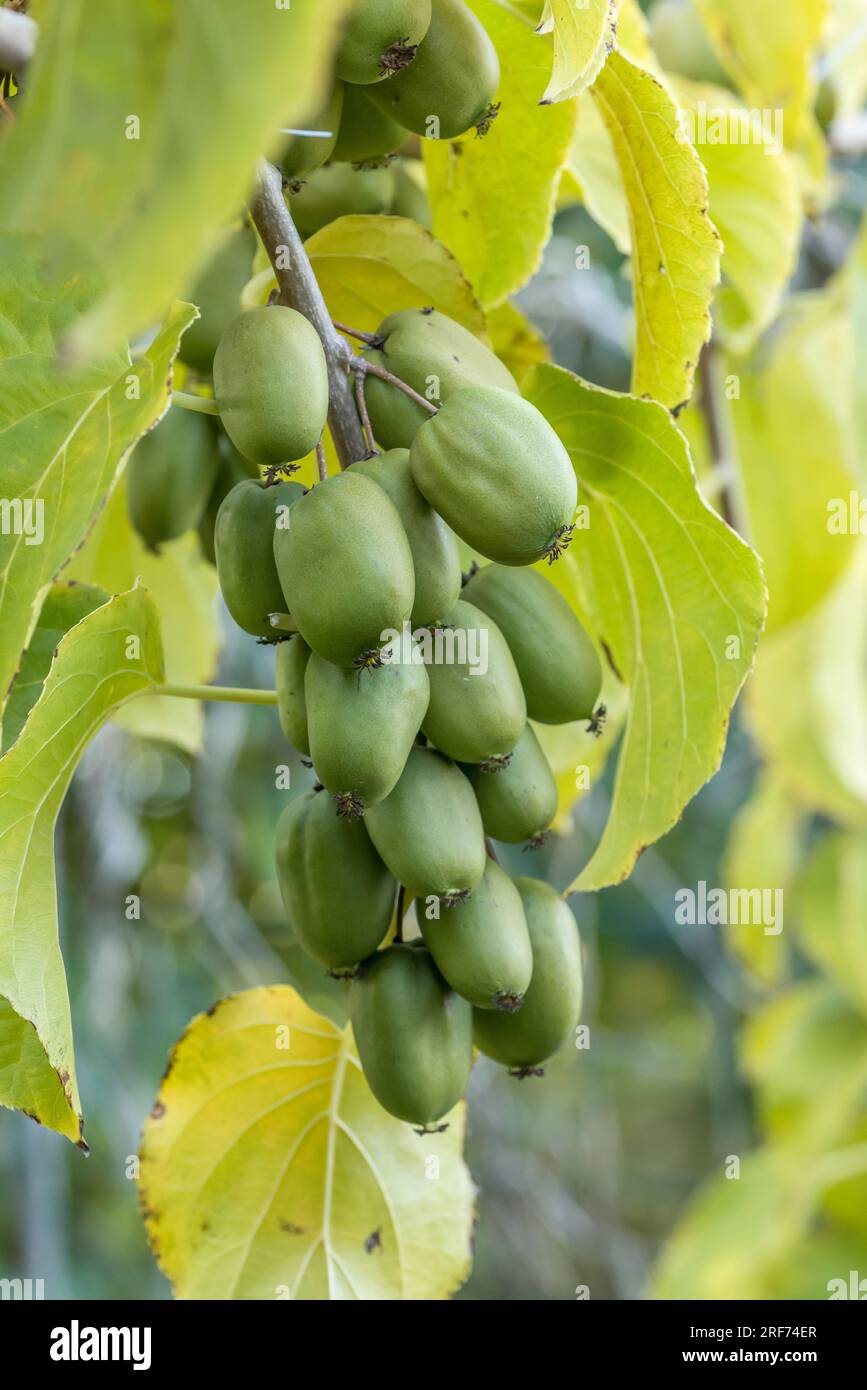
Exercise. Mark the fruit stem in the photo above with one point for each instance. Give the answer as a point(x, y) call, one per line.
point(361, 402)
point(321, 463)
point(203, 405)
point(216, 692)
point(359, 364)
point(300, 290)
point(372, 339)
point(489, 849)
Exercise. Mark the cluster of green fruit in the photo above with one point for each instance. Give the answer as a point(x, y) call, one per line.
point(420, 762)
point(403, 68)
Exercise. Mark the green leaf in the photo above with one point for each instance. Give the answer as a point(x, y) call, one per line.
point(66, 604)
point(807, 702)
point(493, 199)
point(583, 36)
point(210, 86)
point(755, 204)
point(369, 267)
point(769, 52)
point(183, 587)
point(793, 408)
point(832, 912)
point(109, 657)
point(805, 1053)
point(675, 248)
point(65, 434)
point(676, 596)
point(268, 1170)
point(763, 851)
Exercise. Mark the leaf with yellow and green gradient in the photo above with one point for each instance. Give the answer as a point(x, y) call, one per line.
point(674, 594)
point(269, 1171)
point(583, 34)
point(493, 199)
point(676, 249)
point(111, 656)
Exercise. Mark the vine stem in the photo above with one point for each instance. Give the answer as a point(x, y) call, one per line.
point(360, 364)
point(235, 694)
point(721, 438)
point(203, 405)
point(299, 290)
point(321, 462)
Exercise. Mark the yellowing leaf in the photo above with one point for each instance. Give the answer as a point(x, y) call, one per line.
point(755, 204)
point(183, 587)
point(763, 852)
point(583, 36)
point(807, 702)
point(64, 435)
point(493, 199)
point(66, 604)
point(109, 657)
point(675, 595)
point(769, 51)
point(675, 247)
point(268, 1170)
point(141, 132)
point(368, 267)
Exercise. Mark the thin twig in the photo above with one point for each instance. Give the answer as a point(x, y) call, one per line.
point(320, 459)
point(721, 437)
point(489, 847)
point(360, 364)
point(300, 290)
point(372, 339)
point(361, 402)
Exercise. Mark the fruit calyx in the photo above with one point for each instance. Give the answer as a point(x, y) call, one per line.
point(496, 762)
point(521, 1073)
point(508, 1003)
point(398, 57)
point(486, 120)
point(350, 806)
point(559, 543)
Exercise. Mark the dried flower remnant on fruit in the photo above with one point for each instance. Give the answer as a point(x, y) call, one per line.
point(560, 543)
point(399, 56)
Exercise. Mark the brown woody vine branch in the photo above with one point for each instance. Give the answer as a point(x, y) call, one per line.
point(299, 290)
